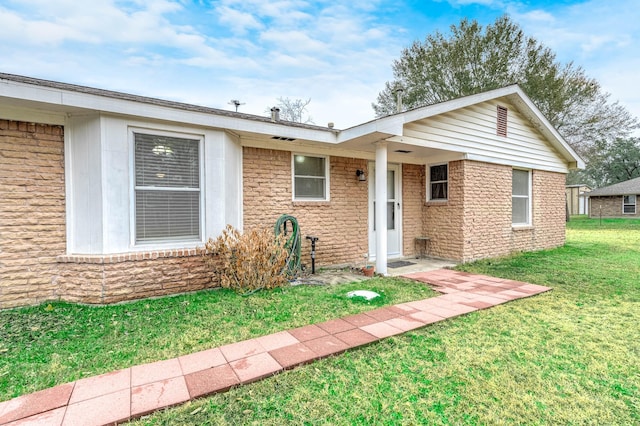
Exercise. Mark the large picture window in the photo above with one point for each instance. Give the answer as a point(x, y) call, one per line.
point(521, 197)
point(629, 204)
point(310, 180)
point(439, 182)
point(167, 188)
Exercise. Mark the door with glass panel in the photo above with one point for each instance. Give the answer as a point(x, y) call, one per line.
point(394, 211)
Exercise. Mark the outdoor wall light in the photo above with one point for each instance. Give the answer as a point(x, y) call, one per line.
point(361, 175)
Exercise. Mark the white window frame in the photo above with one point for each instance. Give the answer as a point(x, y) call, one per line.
point(327, 169)
point(635, 203)
point(529, 196)
point(169, 243)
point(428, 173)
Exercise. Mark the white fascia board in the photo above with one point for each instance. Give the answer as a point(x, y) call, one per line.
point(392, 125)
point(388, 126)
point(72, 101)
point(551, 133)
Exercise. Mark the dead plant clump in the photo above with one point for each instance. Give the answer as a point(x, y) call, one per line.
point(248, 262)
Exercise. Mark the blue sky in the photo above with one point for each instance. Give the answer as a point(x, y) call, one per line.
point(338, 53)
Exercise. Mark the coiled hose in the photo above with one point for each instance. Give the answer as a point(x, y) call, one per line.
point(293, 244)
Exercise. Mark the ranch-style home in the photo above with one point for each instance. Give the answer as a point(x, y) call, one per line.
point(108, 196)
point(618, 200)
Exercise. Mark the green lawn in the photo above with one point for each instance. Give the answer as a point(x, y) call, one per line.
point(58, 343)
point(569, 356)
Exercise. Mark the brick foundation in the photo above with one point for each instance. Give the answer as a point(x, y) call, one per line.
point(115, 278)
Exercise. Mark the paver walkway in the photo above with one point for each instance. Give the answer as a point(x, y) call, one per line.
point(132, 392)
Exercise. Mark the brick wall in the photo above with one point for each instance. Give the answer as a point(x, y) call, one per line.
point(610, 207)
point(341, 223)
point(115, 278)
point(475, 222)
point(443, 220)
point(413, 196)
point(32, 211)
point(487, 214)
point(33, 264)
point(488, 231)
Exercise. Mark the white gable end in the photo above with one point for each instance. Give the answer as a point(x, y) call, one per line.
point(473, 131)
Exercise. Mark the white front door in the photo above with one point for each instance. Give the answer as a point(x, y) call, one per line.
point(394, 212)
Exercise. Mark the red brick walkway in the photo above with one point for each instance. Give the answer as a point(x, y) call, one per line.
point(130, 393)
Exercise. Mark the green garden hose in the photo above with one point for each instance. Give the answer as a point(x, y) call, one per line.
point(293, 243)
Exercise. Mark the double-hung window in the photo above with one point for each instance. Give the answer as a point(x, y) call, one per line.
point(439, 182)
point(521, 197)
point(310, 178)
point(167, 188)
point(629, 204)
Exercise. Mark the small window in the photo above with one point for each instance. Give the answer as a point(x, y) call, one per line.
point(521, 197)
point(439, 182)
point(629, 204)
point(167, 188)
point(310, 180)
point(502, 121)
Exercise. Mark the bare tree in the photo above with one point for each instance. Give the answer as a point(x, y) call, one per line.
point(293, 110)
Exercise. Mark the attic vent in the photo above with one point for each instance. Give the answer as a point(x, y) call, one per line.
point(402, 151)
point(502, 121)
point(282, 138)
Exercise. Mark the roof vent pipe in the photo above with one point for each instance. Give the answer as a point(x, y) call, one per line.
point(398, 91)
point(275, 114)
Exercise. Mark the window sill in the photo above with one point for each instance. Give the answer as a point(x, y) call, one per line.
point(437, 203)
point(522, 227)
point(100, 259)
point(311, 203)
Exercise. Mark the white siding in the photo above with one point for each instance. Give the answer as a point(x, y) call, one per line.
point(99, 161)
point(472, 130)
point(83, 174)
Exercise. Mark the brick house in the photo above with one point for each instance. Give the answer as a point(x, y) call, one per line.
point(107, 196)
point(618, 200)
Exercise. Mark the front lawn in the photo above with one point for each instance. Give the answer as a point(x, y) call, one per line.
point(56, 343)
point(569, 356)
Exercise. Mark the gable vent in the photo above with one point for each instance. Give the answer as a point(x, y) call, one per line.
point(282, 138)
point(502, 121)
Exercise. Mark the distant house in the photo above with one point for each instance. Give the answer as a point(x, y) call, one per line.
point(619, 200)
point(578, 199)
point(108, 196)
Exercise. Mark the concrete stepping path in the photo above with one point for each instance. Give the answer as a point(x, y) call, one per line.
point(127, 394)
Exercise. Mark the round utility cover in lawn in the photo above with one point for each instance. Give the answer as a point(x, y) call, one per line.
point(367, 294)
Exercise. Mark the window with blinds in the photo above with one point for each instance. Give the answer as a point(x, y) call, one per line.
point(167, 188)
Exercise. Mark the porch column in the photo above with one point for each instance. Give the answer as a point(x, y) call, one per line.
point(381, 208)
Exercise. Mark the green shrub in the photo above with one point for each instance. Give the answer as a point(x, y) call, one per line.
point(248, 262)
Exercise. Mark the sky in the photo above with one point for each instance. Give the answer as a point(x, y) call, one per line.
point(338, 54)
